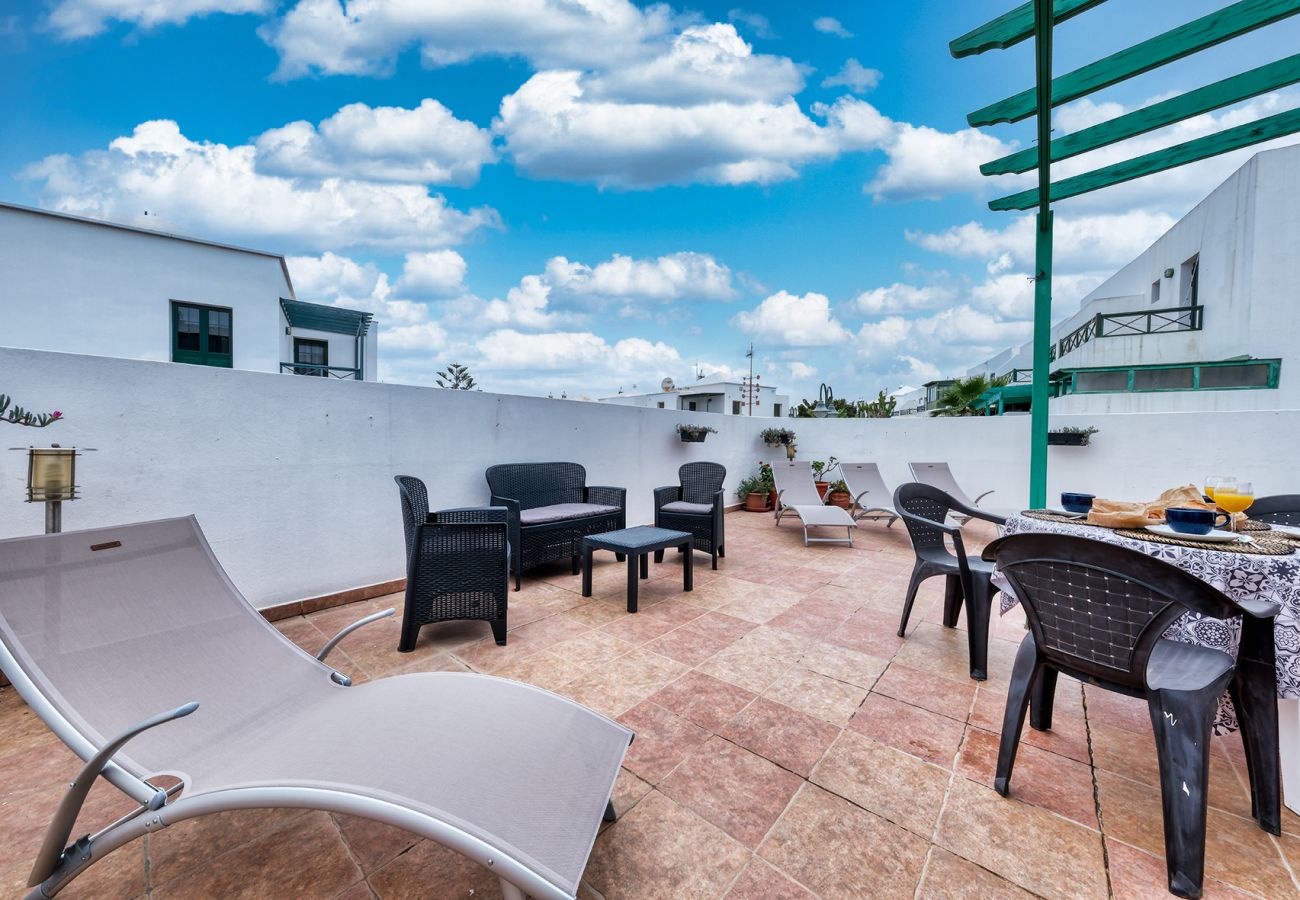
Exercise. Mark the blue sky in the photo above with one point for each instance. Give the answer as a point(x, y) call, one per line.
point(582, 196)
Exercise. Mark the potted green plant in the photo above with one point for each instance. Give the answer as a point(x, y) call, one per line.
point(768, 479)
point(775, 437)
point(839, 495)
point(820, 468)
point(1071, 436)
point(694, 434)
point(754, 491)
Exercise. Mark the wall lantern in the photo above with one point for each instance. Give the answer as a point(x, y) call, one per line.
point(1169, 273)
point(822, 409)
point(51, 479)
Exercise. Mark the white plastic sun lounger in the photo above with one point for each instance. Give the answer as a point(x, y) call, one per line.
point(871, 499)
point(940, 476)
point(796, 492)
point(135, 648)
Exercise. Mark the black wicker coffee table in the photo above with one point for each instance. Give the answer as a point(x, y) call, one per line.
point(638, 543)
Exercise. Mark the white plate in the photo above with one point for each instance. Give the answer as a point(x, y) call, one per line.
point(1286, 529)
point(1062, 511)
point(1214, 537)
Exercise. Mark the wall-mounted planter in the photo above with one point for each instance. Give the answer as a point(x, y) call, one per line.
point(1066, 438)
point(694, 434)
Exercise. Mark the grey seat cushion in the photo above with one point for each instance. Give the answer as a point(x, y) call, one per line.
point(559, 512)
point(681, 506)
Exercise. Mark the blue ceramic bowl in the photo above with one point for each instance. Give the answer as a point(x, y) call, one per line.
point(1076, 503)
point(1189, 520)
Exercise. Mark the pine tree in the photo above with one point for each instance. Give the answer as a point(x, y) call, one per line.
point(456, 378)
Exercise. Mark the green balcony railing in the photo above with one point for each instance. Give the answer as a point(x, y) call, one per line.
point(1127, 324)
point(321, 371)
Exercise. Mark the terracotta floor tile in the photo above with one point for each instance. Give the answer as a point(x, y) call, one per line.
point(673, 611)
point(182, 848)
point(304, 858)
point(629, 790)
point(741, 793)
point(788, 737)
point(751, 670)
point(949, 877)
point(414, 874)
point(663, 740)
point(938, 694)
point(1068, 737)
point(894, 785)
point(1237, 851)
point(873, 639)
point(686, 645)
point(595, 613)
point(930, 736)
point(760, 881)
point(663, 851)
point(821, 697)
point(1037, 850)
point(842, 664)
point(1045, 779)
point(721, 627)
point(839, 850)
point(1136, 875)
point(774, 642)
point(707, 701)
point(373, 843)
point(592, 649)
point(618, 685)
point(804, 623)
point(545, 670)
point(637, 628)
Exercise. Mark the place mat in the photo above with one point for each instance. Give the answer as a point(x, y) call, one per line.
point(1257, 546)
point(1046, 515)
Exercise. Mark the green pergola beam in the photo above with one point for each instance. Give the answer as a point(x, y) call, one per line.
point(1257, 132)
point(1012, 27)
point(1224, 24)
point(1157, 115)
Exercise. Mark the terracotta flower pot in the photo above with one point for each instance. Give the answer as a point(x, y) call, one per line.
point(842, 499)
point(756, 502)
point(822, 488)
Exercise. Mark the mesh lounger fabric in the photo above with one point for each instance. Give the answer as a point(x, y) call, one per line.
point(799, 493)
point(115, 635)
point(823, 515)
point(867, 487)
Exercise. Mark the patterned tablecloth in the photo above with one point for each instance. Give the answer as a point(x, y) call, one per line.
point(1239, 576)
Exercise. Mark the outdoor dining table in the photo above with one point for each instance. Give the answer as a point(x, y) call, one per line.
point(1272, 576)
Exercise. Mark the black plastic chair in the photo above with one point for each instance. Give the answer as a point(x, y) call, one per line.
point(1097, 612)
point(1280, 509)
point(457, 564)
point(694, 505)
point(924, 510)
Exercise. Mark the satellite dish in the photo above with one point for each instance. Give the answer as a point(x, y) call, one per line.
point(666, 385)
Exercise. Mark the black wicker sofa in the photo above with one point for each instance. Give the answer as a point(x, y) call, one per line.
point(551, 509)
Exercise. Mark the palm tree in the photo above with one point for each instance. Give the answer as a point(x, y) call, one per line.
point(959, 400)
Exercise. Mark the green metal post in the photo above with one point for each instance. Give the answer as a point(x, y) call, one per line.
point(1043, 10)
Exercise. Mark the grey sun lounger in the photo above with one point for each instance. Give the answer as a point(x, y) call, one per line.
point(940, 476)
point(139, 653)
point(796, 492)
point(871, 499)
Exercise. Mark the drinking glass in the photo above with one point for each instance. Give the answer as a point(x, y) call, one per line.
point(1212, 482)
point(1234, 497)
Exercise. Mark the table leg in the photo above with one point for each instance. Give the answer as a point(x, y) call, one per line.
point(645, 565)
point(586, 571)
point(688, 567)
point(1254, 694)
point(633, 563)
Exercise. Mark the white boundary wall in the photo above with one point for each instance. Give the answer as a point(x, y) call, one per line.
point(291, 478)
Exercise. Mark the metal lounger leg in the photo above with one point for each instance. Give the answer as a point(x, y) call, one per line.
point(511, 892)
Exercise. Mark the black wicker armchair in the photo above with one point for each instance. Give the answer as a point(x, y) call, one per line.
point(457, 564)
point(552, 508)
point(694, 506)
point(1097, 612)
point(1279, 509)
point(924, 510)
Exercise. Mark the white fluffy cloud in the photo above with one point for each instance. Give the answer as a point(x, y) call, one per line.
point(791, 320)
point(829, 25)
point(425, 145)
point(575, 350)
point(215, 190)
point(854, 76)
point(72, 19)
point(900, 297)
point(925, 163)
point(321, 36)
point(676, 276)
point(437, 273)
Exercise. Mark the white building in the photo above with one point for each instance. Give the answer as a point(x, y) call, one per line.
point(79, 285)
point(726, 397)
point(1204, 319)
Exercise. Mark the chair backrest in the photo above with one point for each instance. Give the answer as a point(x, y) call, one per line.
point(101, 629)
point(1097, 608)
point(415, 506)
point(794, 479)
point(538, 484)
point(462, 552)
point(701, 480)
point(940, 476)
point(864, 481)
point(932, 505)
point(1279, 509)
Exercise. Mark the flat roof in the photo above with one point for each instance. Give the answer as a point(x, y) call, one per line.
point(319, 317)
